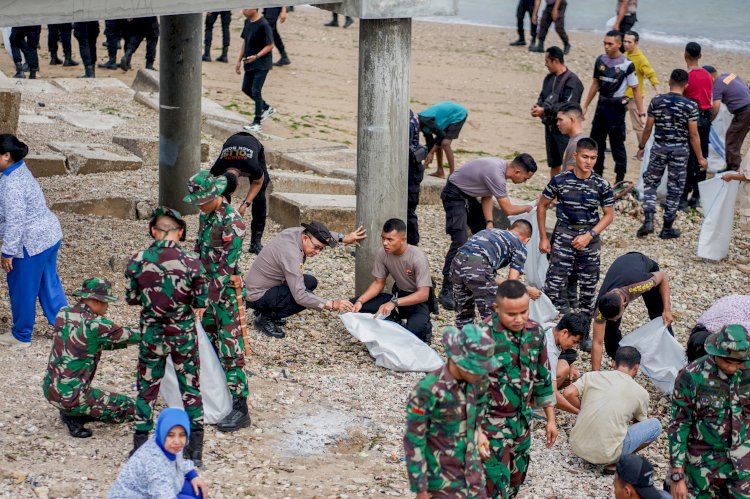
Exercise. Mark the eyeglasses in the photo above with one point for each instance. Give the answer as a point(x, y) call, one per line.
point(316, 247)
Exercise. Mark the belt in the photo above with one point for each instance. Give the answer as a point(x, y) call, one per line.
point(469, 257)
point(579, 226)
point(742, 109)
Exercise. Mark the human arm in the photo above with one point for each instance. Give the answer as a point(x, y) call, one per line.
point(268, 47)
point(662, 281)
point(695, 142)
point(734, 176)
point(542, 391)
point(621, 11)
point(535, 12)
point(352, 238)
point(541, 221)
point(644, 138)
point(638, 97)
point(649, 73)
point(597, 342)
point(238, 65)
point(551, 428)
point(511, 209)
point(252, 192)
point(418, 411)
point(593, 89)
point(282, 16)
point(583, 240)
point(571, 395)
point(716, 109)
point(14, 219)
point(486, 203)
point(373, 290)
point(111, 336)
point(678, 431)
point(555, 10)
point(132, 289)
point(421, 295)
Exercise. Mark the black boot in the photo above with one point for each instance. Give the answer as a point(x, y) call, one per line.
point(539, 47)
point(75, 426)
point(446, 295)
point(519, 43)
point(139, 438)
point(566, 48)
point(284, 61)
point(238, 418)
point(69, 61)
point(19, 71)
point(206, 54)
point(150, 65)
point(89, 72)
point(266, 325)
point(648, 225)
point(32, 73)
point(684, 205)
point(695, 200)
point(334, 22)
point(255, 244)
point(194, 448)
point(110, 64)
point(427, 333)
point(668, 232)
point(125, 61)
point(54, 60)
point(348, 22)
point(223, 56)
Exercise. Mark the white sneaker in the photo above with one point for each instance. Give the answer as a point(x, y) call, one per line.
point(8, 340)
point(253, 127)
point(268, 112)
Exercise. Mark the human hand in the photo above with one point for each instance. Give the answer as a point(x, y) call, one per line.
point(639, 154)
point(529, 208)
point(643, 120)
point(386, 309)
point(484, 446)
point(199, 487)
point(243, 209)
point(533, 292)
point(537, 111)
point(7, 264)
point(533, 19)
point(679, 490)
point(343, 306)
point(544, 246)
point(235, 281)
point(282, 17)
point(551, 433)
point(355, 236)
point(667, 317)
point(583, 112)
point(554, 14)
point(703, 163)
point(199, 313)
point(428, 159)
point(357, 306)
point(238, 66)
point(580, 242)
point(423, 495)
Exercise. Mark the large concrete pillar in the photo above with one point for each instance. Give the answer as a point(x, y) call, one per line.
point(179, 107)
point(382, 132)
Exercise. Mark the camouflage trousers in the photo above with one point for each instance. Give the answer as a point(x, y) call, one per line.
point(102, 405)
point(674, 158)
point(566, 260)
point(473, 285)
point(221, 322)
point(509, 460)
point(159, 341)
point(706, 484)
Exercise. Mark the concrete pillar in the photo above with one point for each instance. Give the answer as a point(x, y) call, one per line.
point(180, 49)
point(382, 132)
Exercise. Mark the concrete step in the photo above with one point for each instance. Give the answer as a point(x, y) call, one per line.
point(84, 158)
point(337, 212)
point(78, 85)
point(147, 148)
point(46, 164)
point(112, 206)
point(210, 110)
point(305, 183)
point(339, 163)
point(275, 148)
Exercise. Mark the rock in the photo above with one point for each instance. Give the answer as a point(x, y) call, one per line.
point(10, 104)
point(143, 210)
point(92, 158)
point(337, 212)
point(114, 207)
point(146, 80)
point(90, 120)
point(41, 492)
point(46, 164)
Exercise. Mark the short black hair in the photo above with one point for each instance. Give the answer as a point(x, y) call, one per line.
point(556, 53)
point(587, 143)
point(394, 224)
point(572, 109)
point(576, 323)
point(9, 143)
point(523, 225)
point(232, 182)
point(678, 77)
point(609, 305)
point(696, 344)
point(614, 34)
point(634, 34)
point(526, 162)
point(511, 289)
point(693, 50)
point(627, 357)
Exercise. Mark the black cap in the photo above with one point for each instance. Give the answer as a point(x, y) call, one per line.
point(710, 69)
point(638, 472)
point(321, 233)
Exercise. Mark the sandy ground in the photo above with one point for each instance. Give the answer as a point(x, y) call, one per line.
point(326, 421)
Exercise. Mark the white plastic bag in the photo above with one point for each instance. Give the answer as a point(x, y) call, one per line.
point(392, 346)
point(662, 357)
point(537, 263)
point(661, 191)
point(542, 310)
point(717, 199)
point(217, 401)
point(716, 140)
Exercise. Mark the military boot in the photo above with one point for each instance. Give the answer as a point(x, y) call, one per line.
point(139, 438)
point(668, 232)
point(125, 61)
point(54, 60)
point(648, 225)
point(539, 47)
point(238, 418)
point(69, 61)
point(32, 73)
point(150, 65)
point(283, 61)
point(521, 42)
point(255, 244)
point(88, 72)
point(19, 71)
point(446, 295)
point(194, 448)
point(206, 54)
point(75, 426)
point(223, 56)
point(110, 64)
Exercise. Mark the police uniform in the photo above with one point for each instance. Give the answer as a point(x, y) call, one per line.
point(226, 19)
point(25, 40)
point(443, 416)
point(60, 33)
point(134, 32)
point(86, 33)
point(80, 337)
point(578, 212)
point(709, 435)
point(114, 32)
point(417, 153)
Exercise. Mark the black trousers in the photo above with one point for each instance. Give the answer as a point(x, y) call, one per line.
point(278, 301)
point(609, 122)
point(59, 33)
point(462, 212)
point(524, 7)
point(226, 18)
point(417, 316)
point(260, 205)
point(546, 21)
point(86, 33)
point(139, 29)
point(114, 31)
point(416, 175)
point(612, 333)
point(556, 143)
point(277, 41)
point(25, 39)
point(694, 173)
point(252, 86)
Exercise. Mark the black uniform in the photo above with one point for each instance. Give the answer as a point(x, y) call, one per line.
point(272, 16)
point(59, 34)
point(86, 33)
point(25, 39)
point(417, 153)
point(524, 7)
point(226, 19)
point(114, 31)
point(135, 31)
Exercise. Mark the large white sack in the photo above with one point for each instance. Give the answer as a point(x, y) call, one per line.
point(716, 140)
point(392, 346)
point(537, 263)
point(661, 191)
point(217, 401)
point(717, 199)
point(542, 310)
point(662, 357)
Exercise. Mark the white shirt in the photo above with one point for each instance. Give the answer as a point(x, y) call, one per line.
point(553, 351)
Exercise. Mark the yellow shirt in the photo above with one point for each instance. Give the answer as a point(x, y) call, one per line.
point(643, 70)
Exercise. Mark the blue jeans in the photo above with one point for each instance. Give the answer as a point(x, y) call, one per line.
point(641, 433)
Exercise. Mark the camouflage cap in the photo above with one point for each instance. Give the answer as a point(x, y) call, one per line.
point(731, 341)
point(96, 288)
point(203, 187)
point(473, 350)
point(163, 211)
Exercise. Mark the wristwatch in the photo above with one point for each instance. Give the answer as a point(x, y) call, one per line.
point(592, 233)
point(676, 477)
point(394, 300)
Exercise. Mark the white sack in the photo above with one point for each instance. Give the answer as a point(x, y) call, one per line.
point(542, 310)
point(661, 191)
point(716, 140)
point(392, 346)
point(662, 357)
point(217, 401)
point(717, 199)
point(537, 263)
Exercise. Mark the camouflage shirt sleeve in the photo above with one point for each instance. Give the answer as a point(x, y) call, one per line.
point(200, 286)
point(682, 418)
point(418, 410)
point(132, 289)
point(111, 336)
point(234, 234)
point(543, 393)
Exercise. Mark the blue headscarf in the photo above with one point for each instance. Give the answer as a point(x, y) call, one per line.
point(168, 419)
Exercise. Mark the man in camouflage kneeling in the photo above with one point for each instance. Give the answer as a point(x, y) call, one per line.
point(81, 333)
point(443, 440)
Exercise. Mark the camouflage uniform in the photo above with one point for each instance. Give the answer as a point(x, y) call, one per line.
point(80, 337)
point(474, 267)
point(442, 419)
point(523, 377)
point(709, 434)
point(577, 213)
point(168, 283)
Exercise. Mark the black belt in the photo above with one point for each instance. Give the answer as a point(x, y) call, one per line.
point(742, 109)
point(579, 226)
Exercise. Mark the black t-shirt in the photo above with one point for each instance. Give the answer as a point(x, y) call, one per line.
point(257, 35)
point(243, 152)
point(630, 269)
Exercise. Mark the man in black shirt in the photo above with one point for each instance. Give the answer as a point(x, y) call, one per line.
point(226, 19)
point(243, 155)
point(275, 15)
point(255, 53)
point(560, 86)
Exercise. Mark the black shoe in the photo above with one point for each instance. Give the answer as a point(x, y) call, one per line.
point(255, 243)
point(648, 225)
point(19, 71)
point(110, 64)
point(88, 72)
point(54, 60)
point(284, 61)
point(585, 345)
point(139, 438)
point(669, 232)
point(75, 426)
point(446, 296)
point(125, 61)
point(694, 202)
point(223, 56)
point(684, 205)
point(32, 74)
point(349, 21)
point(332, 24)
point(279, 322)
point(238, 418)
point(267, 326)
point(206, 57)
point(150, 65)
point(566, 49)
point(68, 62)
point(26, 68)
point(194, 448)
point(518, 43)
point(537, 48)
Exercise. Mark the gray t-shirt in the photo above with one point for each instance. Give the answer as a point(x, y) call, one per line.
point(732, 91)
point(482, 177)
point(569, 162)
point(411, 270)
